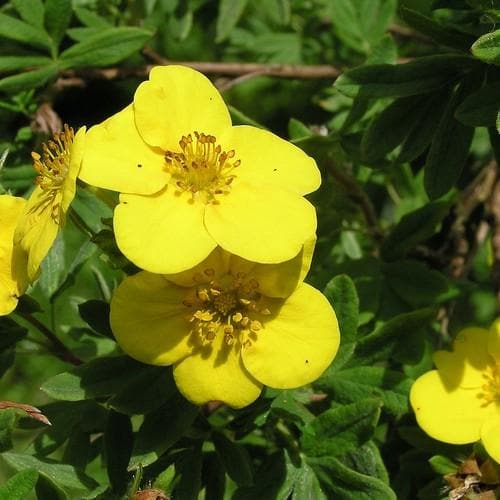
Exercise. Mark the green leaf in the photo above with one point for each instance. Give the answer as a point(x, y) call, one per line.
point(118, 441)
point(367, 460)
point(448, 152)
point(28, 80)
point(353, 384)
point(443, 465)
point(11, 333)
point(342, 295)
point(30, 11)
point(498, 122)
point(415, 227)
point(96, 314)
point(57, 18)
point(19, 486)
point(109, 46)
point(416, 77)
point(392, 126)
point(149, 443)
point(239, 118)
point(104, 376)
point(487, 48)
point(423, 130)
point(380, 344)
point(480, 109)
point(17, 30)
point(336, 431)
point(189, 468)
point(442, 34)
point(360, 23)
point(342, 483)
point(235, 458)
point(230, 12)
point(297, 129)
point(286, 406)
point(61, 474)
point(91, 19)
point(8, 419)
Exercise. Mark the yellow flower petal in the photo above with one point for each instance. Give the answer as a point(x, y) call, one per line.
point(77, 149)
point(13, 279)
point(465, 366)
point(280, 280)
point(148, 319)
point(36, 232)
point(217, 261)
point(117, 158)
point(490, 436)
point(453, 416)
point(177, 101)
point(215, 372)
point(162, 233)
point(269, 160)
point(297, 343)
point(494, 340)
point(261, 224)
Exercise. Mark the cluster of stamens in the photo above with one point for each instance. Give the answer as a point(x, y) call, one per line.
point(52, 168)
point(225, 307)
point(202, 167)
point(491, 388)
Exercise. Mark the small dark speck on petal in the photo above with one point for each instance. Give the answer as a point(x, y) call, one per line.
point(275, 169)
point(139, 165)
point(307, 361)
point(125, 202)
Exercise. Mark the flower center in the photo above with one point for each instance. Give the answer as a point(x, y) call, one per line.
point(491, 388)
point(202, 168)
point(225, 306)
point(52, 168)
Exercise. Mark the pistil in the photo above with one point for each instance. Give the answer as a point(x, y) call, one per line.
point(491, 388)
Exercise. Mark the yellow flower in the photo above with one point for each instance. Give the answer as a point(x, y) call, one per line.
point(45, 212)
point(228, 326)
point(13, 280)
point(191, 181)
point(459, 402)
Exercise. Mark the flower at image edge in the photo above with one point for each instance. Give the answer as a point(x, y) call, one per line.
point(13, 279)
point(190, 181)
point(228, 327)
point(45, 212)
point(459, 403)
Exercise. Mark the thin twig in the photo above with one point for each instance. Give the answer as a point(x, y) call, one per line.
point(31, 411)
point(59, 349)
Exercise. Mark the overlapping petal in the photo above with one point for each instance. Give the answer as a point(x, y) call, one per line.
point(268, 160)
point(162, 233)
point(117, 158)
point(148, 319)
point(261, 224)
point(453, 416)
point(297, 343)
point(216, 373)
point(176, 101)
point(13, 279)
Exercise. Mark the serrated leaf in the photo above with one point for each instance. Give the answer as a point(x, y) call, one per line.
point(229, 14)
point(28, 80)
point(480, 109)
point(235, 458)
point(107, 47)
point(336, 431)
point(380, 344)
point(30, 11)
point(17, 30)
point(342, 483)
point(415, 227)
point(19, 486)
point(342, 295)
point(448, 152)
point(57, 18)
point(416, 77)
point(62, 474)
point(487, 48)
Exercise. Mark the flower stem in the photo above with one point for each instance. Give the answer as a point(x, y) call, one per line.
point(80, 223)
point(59, 349)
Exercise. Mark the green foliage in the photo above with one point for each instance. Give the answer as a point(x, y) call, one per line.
point(406, 139)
